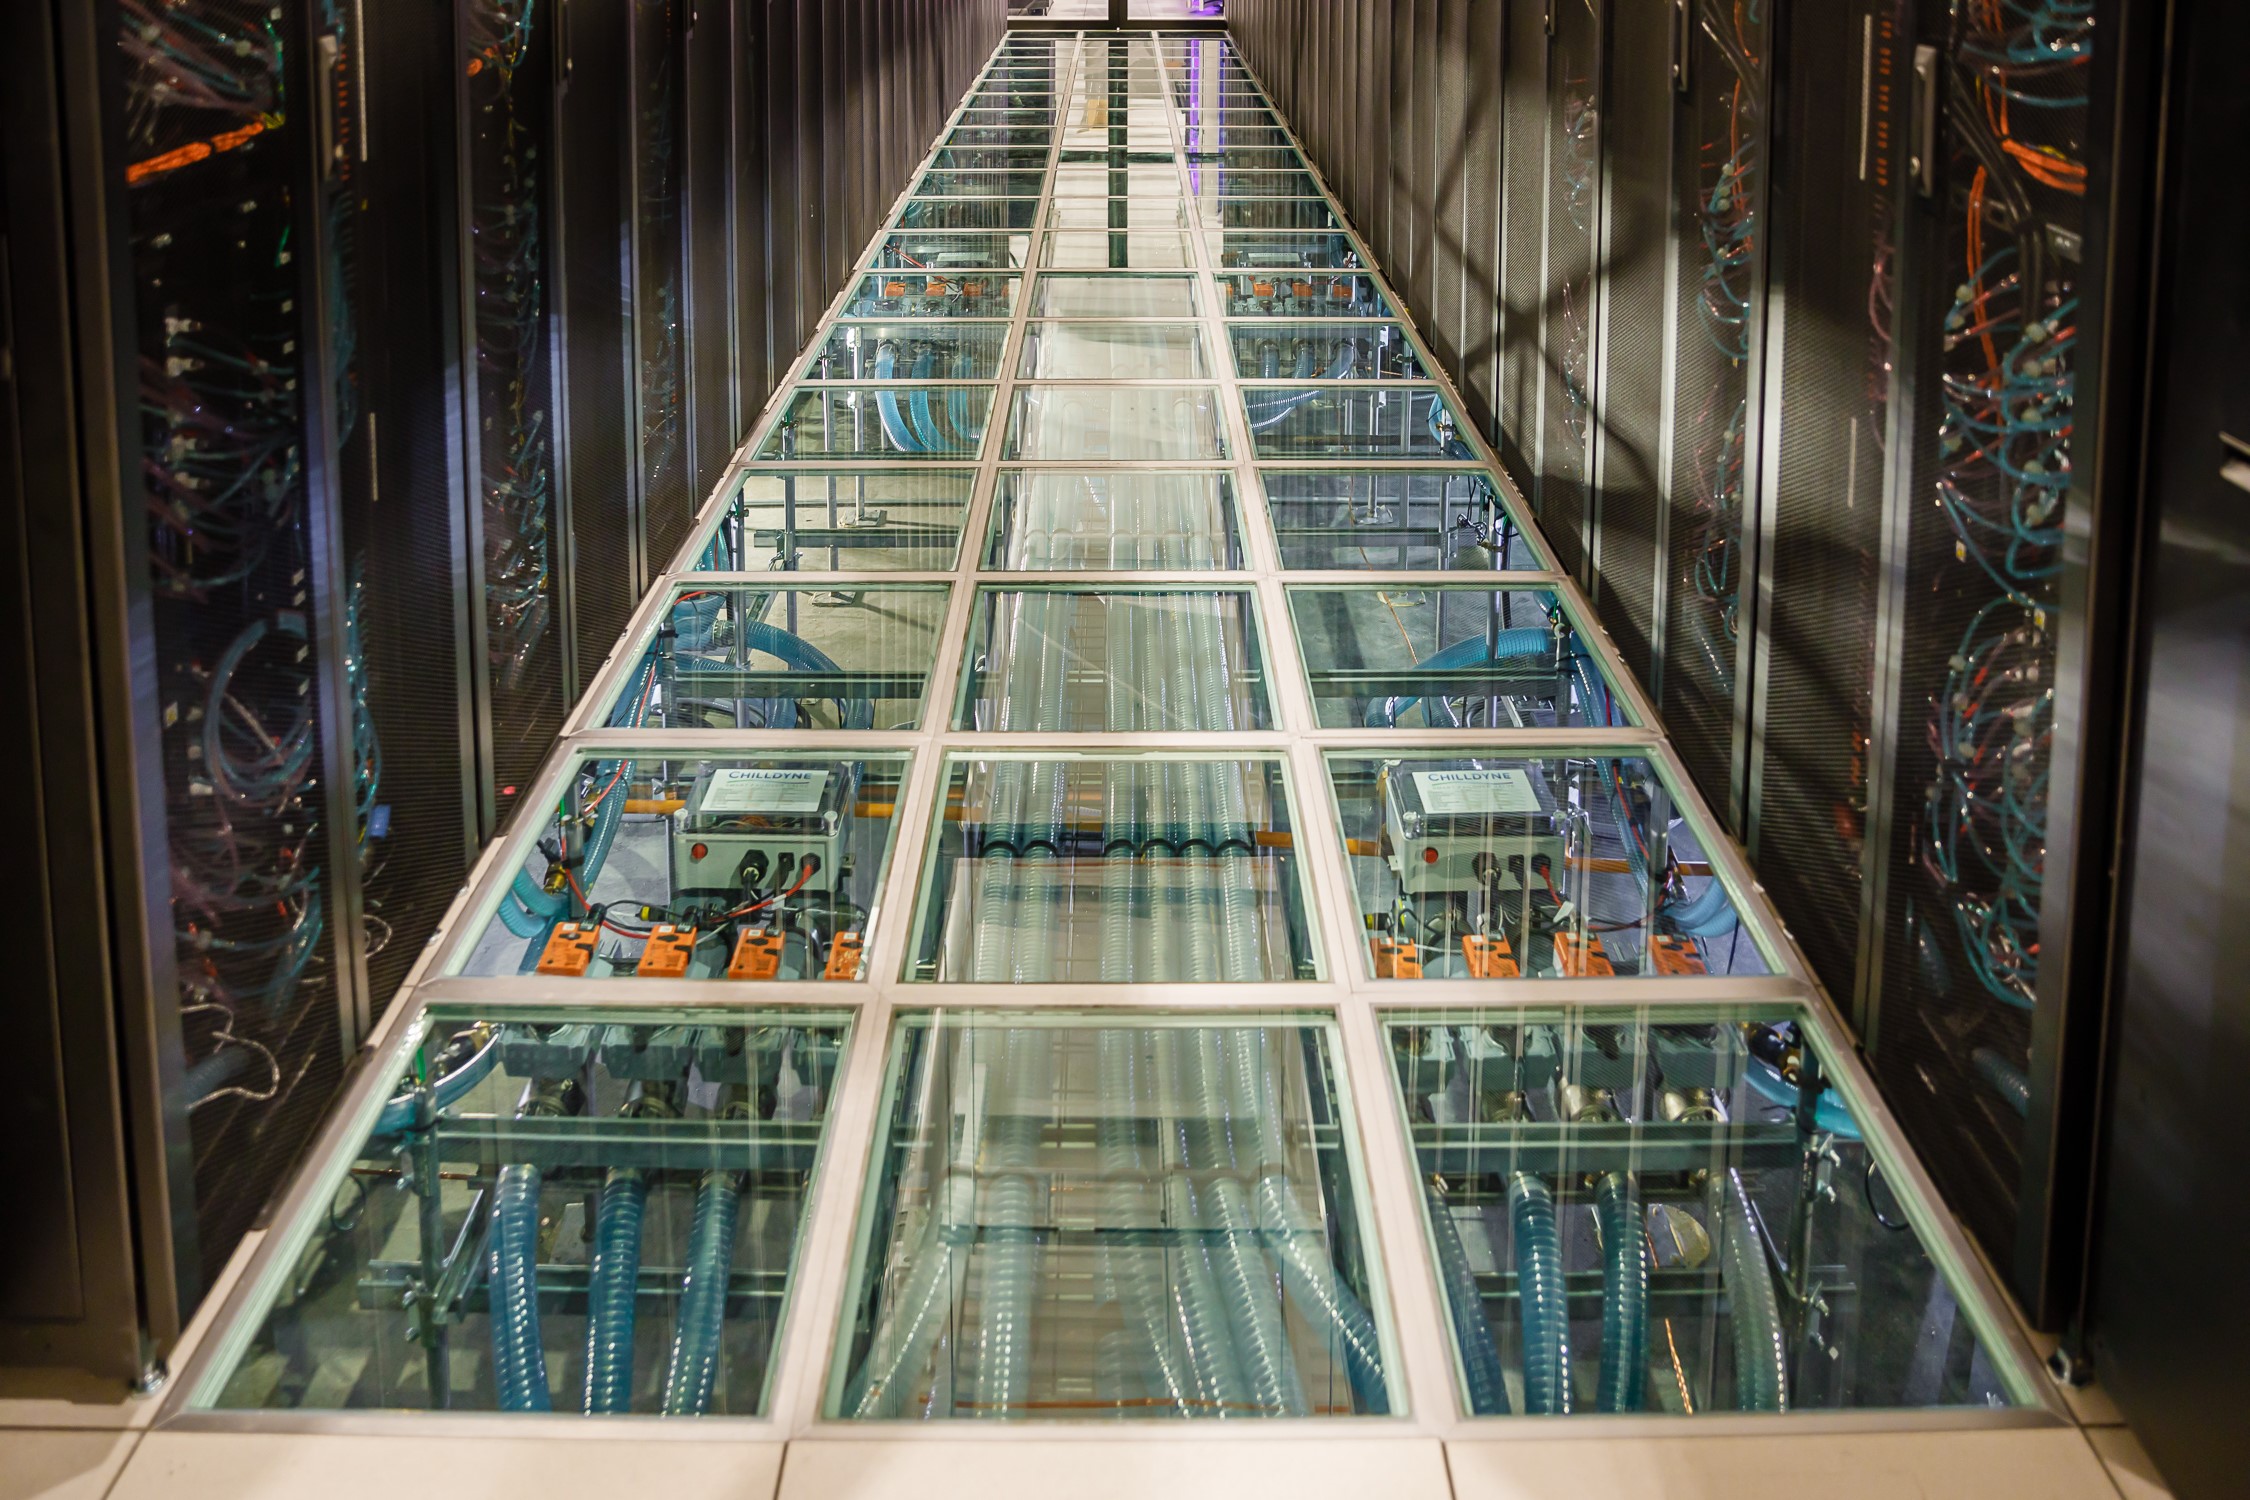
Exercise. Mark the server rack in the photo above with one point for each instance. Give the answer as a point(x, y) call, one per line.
point(1800, 502)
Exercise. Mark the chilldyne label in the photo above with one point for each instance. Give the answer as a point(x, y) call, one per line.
point(1452, 793)
point(743, 789)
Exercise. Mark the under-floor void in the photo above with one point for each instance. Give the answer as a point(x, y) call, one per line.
point(1110, 885)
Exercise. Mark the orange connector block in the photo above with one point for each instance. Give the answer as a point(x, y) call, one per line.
point(1675, 955)
point(668, 951)
point(1396, 960)
point(757, 955)
point(570, 948)
point(843, 958)
point(1582, 958)
point(1490, 958)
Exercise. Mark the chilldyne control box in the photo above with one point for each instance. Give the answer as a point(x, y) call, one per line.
point(741, 823)
point(1467, 827)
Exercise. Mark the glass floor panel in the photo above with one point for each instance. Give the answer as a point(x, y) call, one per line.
point(1106, 296)
point(727, 865)
point(1253, 249)
point(1502, 864)
point(926, 250)
point(1104, 249)
point(990, 159)
point(1381, 422)
point(1132, 179)
point(969, 213)
point(1669, 1211)
point(1116, 423)
point(1156, 215)
point(1031, 134)
point(1287, 214)
point(894, 420)
point(1057, 350)
point(1456, 656)
point(956, 183)
point(1031, 1242)
point(829, 520)
point(1323, 349)
point(1394, 518)
point(1069, 660)
point(761, 656)
point(1303, 293)
point(583, 1210)
point(966, 293)
point(1112, 870)
point(1113, 519)
point(912, 349)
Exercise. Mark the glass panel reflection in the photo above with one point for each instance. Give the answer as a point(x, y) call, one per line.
point(1114, 660)
point(1113, 519)
point(739, 867)
point(933, 294)
point(923, 250)
point(1394, 518)
point(1142, 870)
point(1136, 1218)
point(1668, 1211)
point(1501, 865)
point(1453, 656)
point(1102, 248)
point(1248, 249)
point(1114, 351)
point(890, 421)
point(1324, 351)
point(1300, 293)
point(1115, 423)
point(1115, 297)
point(921, 349)
point(840, 520)
point(734, 656)
point(592, 1211)
point(1386, 422)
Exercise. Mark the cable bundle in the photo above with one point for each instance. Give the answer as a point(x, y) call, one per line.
point(511, 305)
point(1727, 224)
point(2017, 99)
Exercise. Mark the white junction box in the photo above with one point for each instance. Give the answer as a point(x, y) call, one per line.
point(1442, 822)
point(737, 812)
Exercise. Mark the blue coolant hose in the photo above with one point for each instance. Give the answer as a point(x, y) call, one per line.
point(1541, 1296)
point(1473, 651)
point(694, 1367)
point(519, 1353)
point(613, 1291)
point(398, 1113)
point(1829, 1112)
point(1480, 1360)
point(886, 404)
point(926, 434)
point(1624, 1373)
point(1761, 1376)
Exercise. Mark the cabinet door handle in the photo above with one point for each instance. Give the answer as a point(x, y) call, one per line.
point(1921, 163)
point(1683, 31)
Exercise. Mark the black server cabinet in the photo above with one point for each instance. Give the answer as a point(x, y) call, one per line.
point(1637, 258)
point(225, 126)
point(714, 369)
point(1523, 173)
point(391, 332)
point(1838, 192)
point(2174, 1129)
point(512, 62)
point(1998, 340)
point(1719, 181)
point(595, 222)
point(1571, 199)
point(657, 336)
